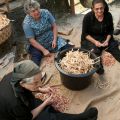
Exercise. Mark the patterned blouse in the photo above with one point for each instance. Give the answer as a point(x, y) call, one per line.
point(42, 30)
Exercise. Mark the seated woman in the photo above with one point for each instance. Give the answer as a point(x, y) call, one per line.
point(41, 31)
point(18, 103)
point(97, 31)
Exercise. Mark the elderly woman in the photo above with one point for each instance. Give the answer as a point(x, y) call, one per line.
point(41, 31)
point(97, 31)
point(18, 103)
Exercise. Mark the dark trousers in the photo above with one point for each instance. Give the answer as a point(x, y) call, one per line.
point(112, 48)
point(36, 55)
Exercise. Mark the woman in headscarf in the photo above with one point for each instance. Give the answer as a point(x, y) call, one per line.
point(18, 103)
point(41, 31)
point(97, 31)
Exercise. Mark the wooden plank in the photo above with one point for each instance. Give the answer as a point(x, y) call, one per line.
point(7, 5)
point(72, 7)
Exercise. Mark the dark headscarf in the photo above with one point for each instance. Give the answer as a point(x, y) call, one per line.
point(23, 69)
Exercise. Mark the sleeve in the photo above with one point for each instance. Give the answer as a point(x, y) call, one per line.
point(86, 26)
point(51, 18)
point(110, 27)
point(21, 112)
point(28, 31)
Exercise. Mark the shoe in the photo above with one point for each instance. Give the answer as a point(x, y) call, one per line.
point(117, 32)
point(67, 40)
point(100, 71)
point(91, 112)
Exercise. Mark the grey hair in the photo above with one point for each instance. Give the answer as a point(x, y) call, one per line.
point(28, 80)
point(30, 4)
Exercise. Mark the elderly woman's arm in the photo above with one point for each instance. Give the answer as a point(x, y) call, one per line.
point(110, 30)
point(31, 37)
point(40, 108)
point(37, 45)
point(106, 41)
point(55, 33)
point(95, 42)
point(48, 90)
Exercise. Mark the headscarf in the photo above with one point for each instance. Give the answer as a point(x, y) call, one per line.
point(22, 70)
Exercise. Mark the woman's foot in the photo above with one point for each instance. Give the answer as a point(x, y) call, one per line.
point(117, 32)
point(91, 112)
point(100, 71)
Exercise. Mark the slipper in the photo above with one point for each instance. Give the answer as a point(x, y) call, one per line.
point(70, 43)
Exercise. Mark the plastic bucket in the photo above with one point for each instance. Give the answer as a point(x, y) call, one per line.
point(75, 81)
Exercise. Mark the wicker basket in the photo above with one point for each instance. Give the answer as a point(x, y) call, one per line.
point(5, 33)
point(4, 1)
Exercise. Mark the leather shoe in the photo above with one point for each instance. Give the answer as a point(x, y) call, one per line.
point(117, 32)
point(100, 71)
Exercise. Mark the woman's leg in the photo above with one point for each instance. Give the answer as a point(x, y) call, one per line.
point(36, 55)
point(67, 46)
point(115, 52)
point(98, 52)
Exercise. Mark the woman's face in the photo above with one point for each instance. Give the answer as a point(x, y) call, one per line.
point(33, 85)
point(35, 13)
point(98, 9)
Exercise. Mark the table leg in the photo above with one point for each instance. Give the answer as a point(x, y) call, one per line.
point(72, 7)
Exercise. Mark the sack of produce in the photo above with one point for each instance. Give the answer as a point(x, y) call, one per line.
point(5, 28)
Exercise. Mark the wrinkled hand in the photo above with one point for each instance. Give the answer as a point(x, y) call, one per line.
point(105, 44)
point(46, 53)
point(54, 44)
point(49, 100)
point(98, 44)
point(46, 90)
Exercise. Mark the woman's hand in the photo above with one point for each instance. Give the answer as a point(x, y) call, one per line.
point(46, 90)
point(54, 44)
point(46, 53)
point(41, 107)
point(105, 44)
point(49, 100)
point(98, 44)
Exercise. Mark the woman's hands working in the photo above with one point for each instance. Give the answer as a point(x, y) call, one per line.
point(54, 44)
point(38, 46)
point(97, 43)
point(45, 90)
point(49, 91)
point(46, 102)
